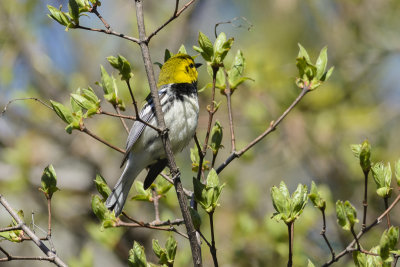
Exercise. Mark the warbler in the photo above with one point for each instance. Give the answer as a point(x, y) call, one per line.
point(177, 85)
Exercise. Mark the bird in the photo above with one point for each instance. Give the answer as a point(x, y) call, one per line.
point(178, 96)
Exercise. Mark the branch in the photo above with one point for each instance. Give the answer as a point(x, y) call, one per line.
point(213, 249)
point(365, 201)
point(323, 231)
point(22, 99)
point(228, 93)
point(195, 246)
point(270, 129)
point(349, 248)
point(52, 256)
point(131, 118)
point(173, 17)
point(88, 132)
point(290, 234)
point(110, 32)
point(122, 119)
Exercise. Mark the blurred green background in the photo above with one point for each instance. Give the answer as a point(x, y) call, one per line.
point(361, 100)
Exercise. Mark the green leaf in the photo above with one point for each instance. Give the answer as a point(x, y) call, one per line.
point(60, 16)
point(122, 65)
point(206, 46)
point(298, 201)
point(163, 186)
point(62, 112)
point(74, 10)
point(216, 137)
point(316, 198)
point(212, 179)
point(397, 171)
point(195, 218)
point(182, 50)
point(157, 248)
point(280, 199)
point(82, 102)
point(171, 246)
point(199, 191)
point(346, 214)
point(382, 176)
point(49, 181)
point(365, 155)
point(321, 63)
point(144, 195)
point(106, 216)
point(102, 187)
point(221, 48)
point(167, 55)
point(137, 257)
point(310, 264)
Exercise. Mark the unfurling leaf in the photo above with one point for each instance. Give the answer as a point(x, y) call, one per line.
point(49, 181)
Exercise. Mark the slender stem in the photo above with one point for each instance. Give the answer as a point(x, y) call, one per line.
point(11, 228)
point(365, 201)
point(133, 98)
point(135, 225)
point(205, 239)
point(31, 234)
point(211, 111)
point(94, 11)
point(213, 249)
point(49, 217)
point(110, 32)
point(174, 16)
point(88, 132)
point(228, 94)
point(355, 238)
point(122, 119)
point(155, 203)
point(323, 233)
point(386, 199)
point(201, 157)
point(270, 129)
point(23, 99)
point(349, 248)
point(195, 246)
point(188, 193)
point(130, 118)
point(290, 235)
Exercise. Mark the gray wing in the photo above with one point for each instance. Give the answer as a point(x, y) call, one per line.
point(146, 114)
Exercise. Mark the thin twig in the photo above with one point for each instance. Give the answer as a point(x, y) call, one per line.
point(228, 93)
point(290, 235)
point(173, 17)
point(94, 11)
point(349, 248)
point(270, 129)
point(323, 233)
point(155, 203)
point(31, 234)
point(365, 201)
point(88, 132)
point(386, 199)
point(232, 22)
point(11, 228)
point(213, 249)
point(110, 32)
point(49, 217)
point(133, 99)
point(122, 119)
point(201, 157)
point(22, 99)
point(135, 225)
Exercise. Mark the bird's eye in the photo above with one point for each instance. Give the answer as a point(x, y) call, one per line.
point(191, 65)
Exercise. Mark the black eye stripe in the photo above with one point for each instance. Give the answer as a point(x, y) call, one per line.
point(191, 65)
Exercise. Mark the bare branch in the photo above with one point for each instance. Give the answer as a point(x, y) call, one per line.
point(88, 132)
point(196, 249)
point(54, 258)
point(270, 129)
point(110, 32)
point(173, 17)
point(228, 93)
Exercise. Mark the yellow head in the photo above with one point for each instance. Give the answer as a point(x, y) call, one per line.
point(180, 68)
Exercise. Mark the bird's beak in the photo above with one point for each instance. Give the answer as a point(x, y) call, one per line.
point(197, 65)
